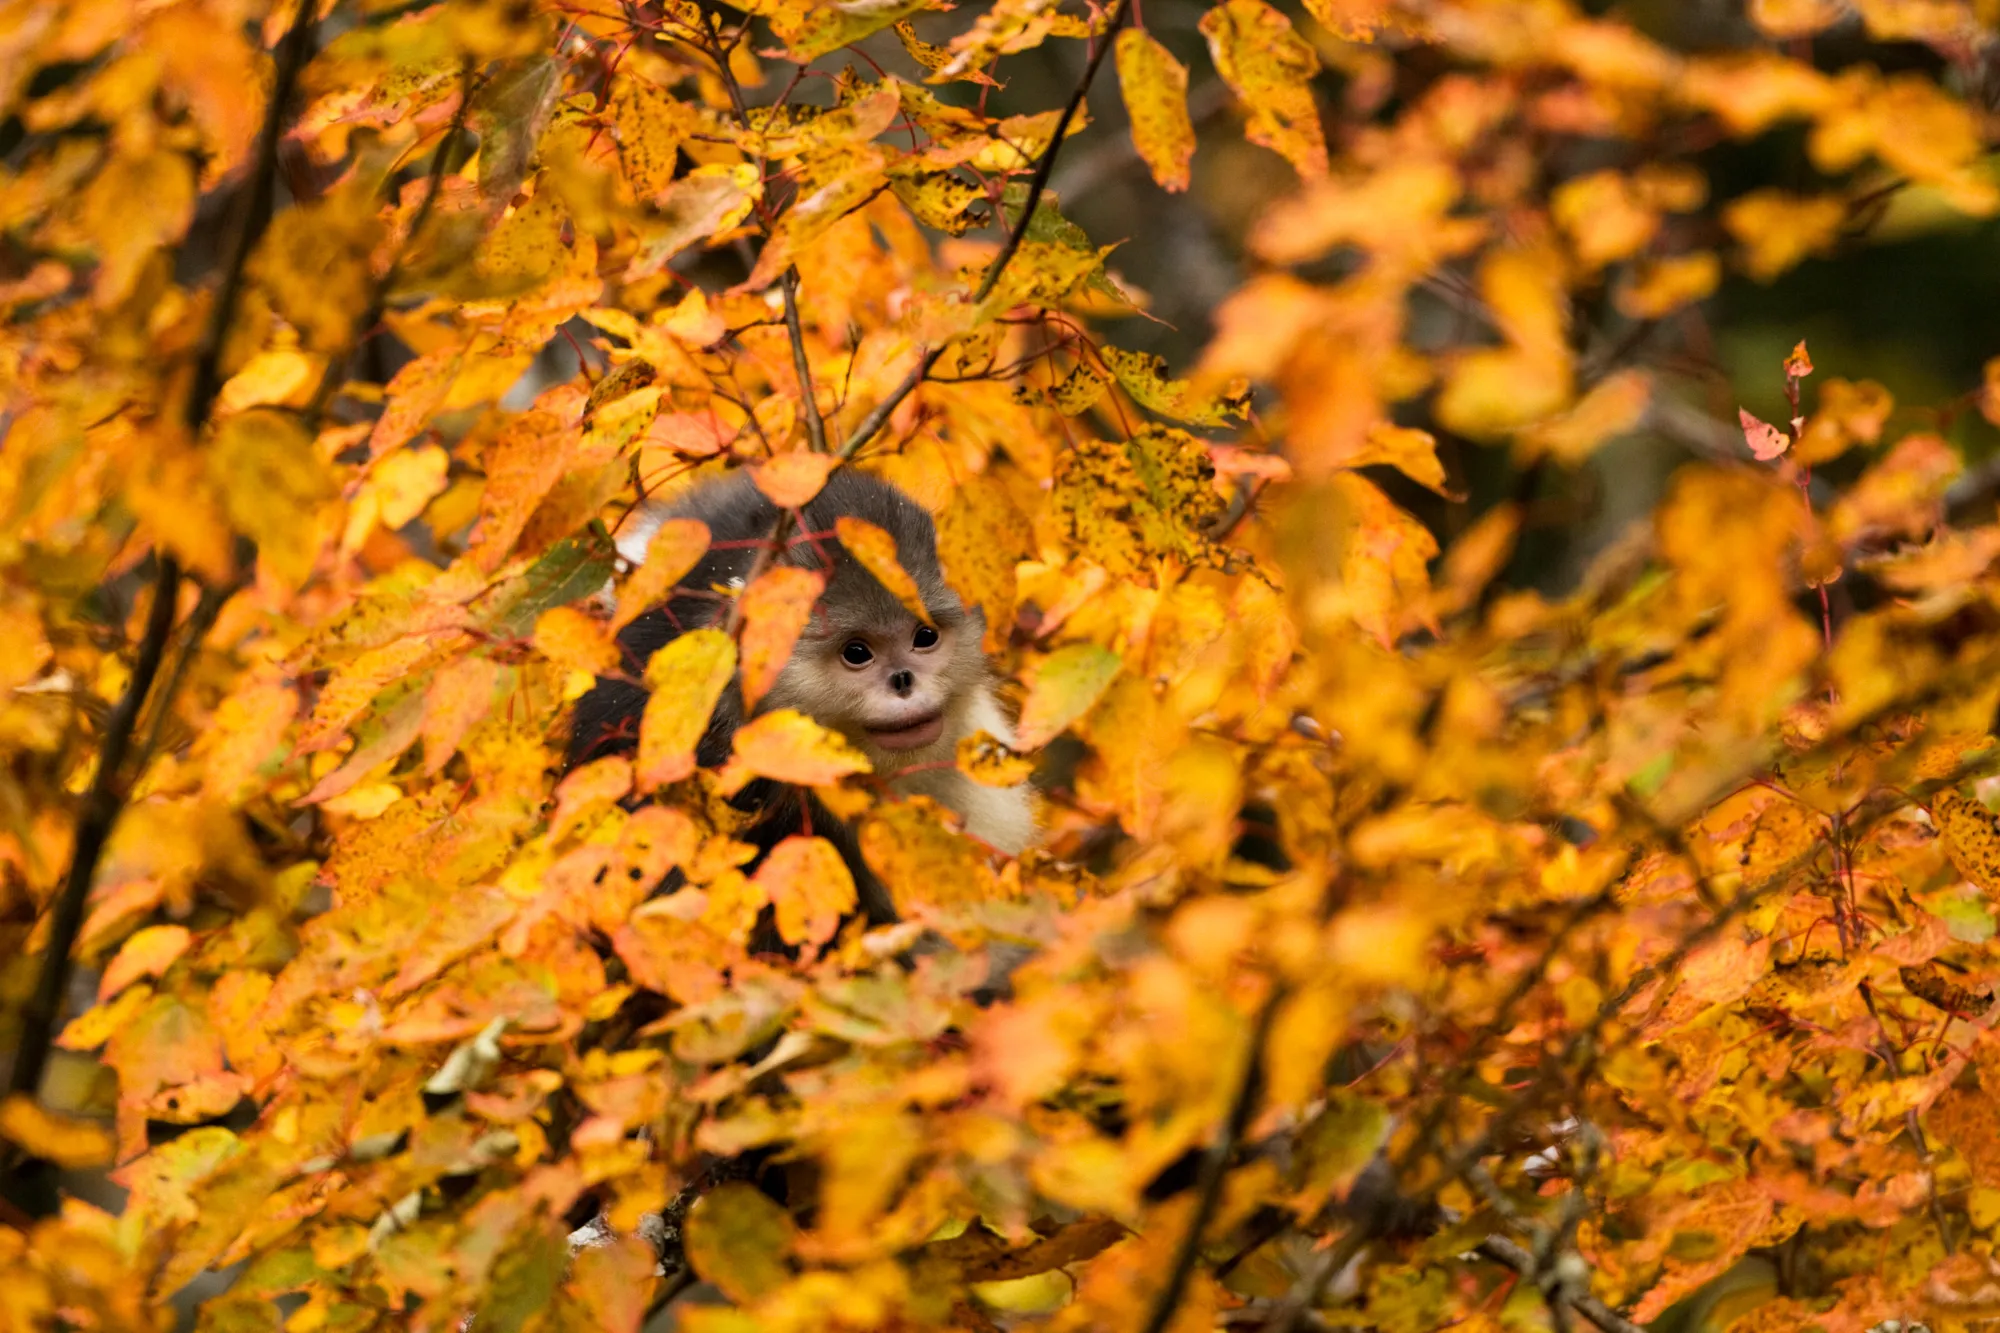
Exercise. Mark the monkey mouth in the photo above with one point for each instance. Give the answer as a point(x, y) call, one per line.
point(913, 736)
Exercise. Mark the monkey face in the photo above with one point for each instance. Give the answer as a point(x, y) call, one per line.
point(896, 687)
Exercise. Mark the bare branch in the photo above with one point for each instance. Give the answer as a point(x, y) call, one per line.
point(336, 367)
point(1597, 1312)
point(108, 788)
point(879, 416)
point(808, 399)
point(1216, 1166)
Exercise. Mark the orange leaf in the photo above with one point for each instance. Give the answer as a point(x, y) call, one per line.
point(686, 678)
point(875, 550)
point(1061, 688)
point(676, 547)
point(809, 886)
point(459, 697)
point(775, 609)
point(147, 953)
point(790, 747)
point(1155, 89)
point(790, 480)
point(1798, 365)
point(594, 784)
point(569, 638)
point(353, 685)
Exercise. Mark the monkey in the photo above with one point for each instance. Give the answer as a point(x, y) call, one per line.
point(901, 691)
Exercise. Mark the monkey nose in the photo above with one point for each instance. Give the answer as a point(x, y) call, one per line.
point(902, 682)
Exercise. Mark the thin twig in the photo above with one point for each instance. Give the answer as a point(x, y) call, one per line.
point(1597, 1312)
point(1216, 1166)
point(251, 222)
point(865, 430)
point(815, 426)
point(335, 374)
point(108, 788)
point(93, 829)
point(1307, 1292)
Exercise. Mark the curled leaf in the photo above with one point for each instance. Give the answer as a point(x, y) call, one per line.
point(1765, 440)
point(875, 551)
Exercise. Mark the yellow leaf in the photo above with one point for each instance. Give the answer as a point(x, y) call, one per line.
point(1605, 216)
point(1270, 67)
point(982, 537)
point(1410, 451)
point(66, 1141)
point(648, 125)
point(355, 683)
point(1061, 688)
point(1351, 20)
point(707, 202)
point(271, 376)
point(875, 551)
point(1490, 392)
point(686, 678)
point(790, 747)
point(132, 206)
point(1384, 558)
point(588, 787)
point(1777, 229)
point(274, 486)
point(522, 466)
point(1155, 89)
point(938, 198)
point(863, 172)
point(1144, 376)
point(314, 261)
point(809, 887)
point(1126, 505)
point(739, 1239)
point(992, 762)
point(1614, 406)
point(416, 391)
point(810, 31)
point(460, 695)
point(570, 638)
point(790, 480)
point(676, 547)
point(146, 953)
point(1971, 837)
point(775, 609)
point(1659, 287)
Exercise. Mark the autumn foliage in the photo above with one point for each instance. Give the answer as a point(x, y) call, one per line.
point(1636, 924)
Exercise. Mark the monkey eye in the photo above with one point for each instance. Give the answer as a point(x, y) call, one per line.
point(925, 637)
point(856, 653)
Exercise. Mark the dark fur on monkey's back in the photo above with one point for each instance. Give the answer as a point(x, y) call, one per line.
point(739, 517)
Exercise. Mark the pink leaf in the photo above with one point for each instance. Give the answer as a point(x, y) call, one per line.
point(1765, 440)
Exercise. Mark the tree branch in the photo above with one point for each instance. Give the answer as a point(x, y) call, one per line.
point(336, 367)
point(108, 788)
point(1597, 1312)
point(256, 214)
point(815, 425)
point(879, 415)
point(1215, 1166)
